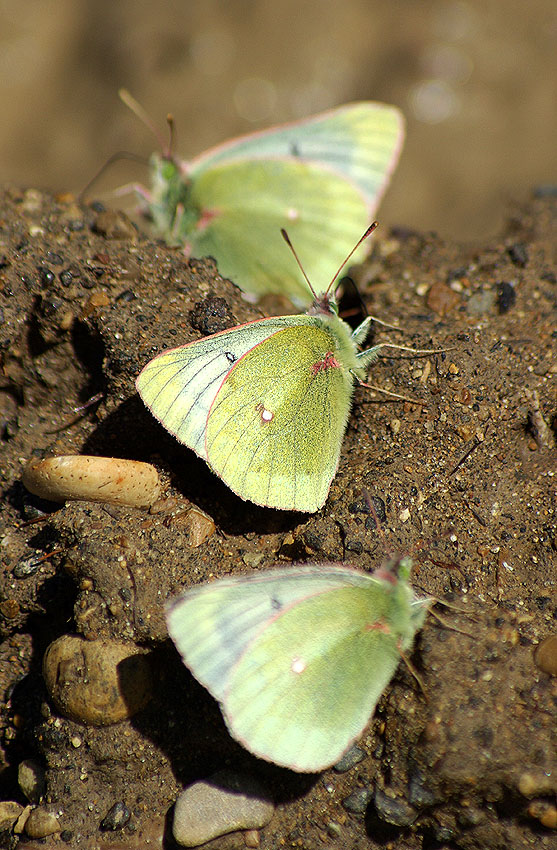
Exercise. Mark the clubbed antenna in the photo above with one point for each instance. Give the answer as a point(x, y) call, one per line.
point(286, 238)
point(370, 230)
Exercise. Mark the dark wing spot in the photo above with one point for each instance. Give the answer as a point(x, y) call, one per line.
point(230, 357)
point(275, 604)
point(295, 150)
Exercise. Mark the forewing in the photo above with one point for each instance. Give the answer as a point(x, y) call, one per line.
point(275, 428)
point(360, 142)
point(305, 688)
point(212, 625)
point(179, 385)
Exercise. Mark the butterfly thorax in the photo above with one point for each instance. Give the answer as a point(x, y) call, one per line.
point(345, 354)
point(406, 615)
point(174, 214)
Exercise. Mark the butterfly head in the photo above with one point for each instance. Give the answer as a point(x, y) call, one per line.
point(174, 216)
point(325, 304)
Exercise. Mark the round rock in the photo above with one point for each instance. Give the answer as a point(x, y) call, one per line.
point(41, 823)
point(97, 682)
point(545, 655)
point(223, 803)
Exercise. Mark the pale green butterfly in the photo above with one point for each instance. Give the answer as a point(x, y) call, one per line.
point(266, 404)
point(322, 178)
point(298, 657)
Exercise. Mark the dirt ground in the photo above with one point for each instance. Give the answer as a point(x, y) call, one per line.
point(463, 481)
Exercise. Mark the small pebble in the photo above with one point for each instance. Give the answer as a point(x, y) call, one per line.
point(441, 298)
point(251, 838)
point(116, 818)
point(534, 784)
point(19, 825)
point(354, 755)
point(545, 812)
point(481, 302)
point(252, 559)
point(94, 479)
point(41, 823)
point(114, 224)
point(200, 527)
point(212, 315)
point(223, 803)
point(358, 801)
point(9, 813)
point(393, 810)
point(31, 779)
point(9, 609)
point(545, 655)
point(334, 829)
point(419, 794)
point(27, 567)
point(97, 682)
point(518, 254)
point(506, 296)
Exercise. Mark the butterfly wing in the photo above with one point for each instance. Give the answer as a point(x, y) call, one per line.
point(213, 624)
point(298, 658)
point(320, 178)
point(179, 385)
point(249, 203)
point(275, 428)
point(360, 142)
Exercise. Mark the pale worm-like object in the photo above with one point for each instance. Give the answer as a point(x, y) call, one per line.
point(93, 479)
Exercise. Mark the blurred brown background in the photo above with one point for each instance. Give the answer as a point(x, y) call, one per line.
point(477, 80)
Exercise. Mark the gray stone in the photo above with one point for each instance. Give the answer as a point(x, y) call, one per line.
point(357, 802)
point(393, 810)
point(354, 755)
point(223, 803)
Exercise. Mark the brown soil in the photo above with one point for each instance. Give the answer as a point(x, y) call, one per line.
point(466, 479)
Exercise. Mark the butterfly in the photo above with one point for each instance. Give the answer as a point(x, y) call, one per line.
point(298, 657)
point(321, 177)
point(266, 403)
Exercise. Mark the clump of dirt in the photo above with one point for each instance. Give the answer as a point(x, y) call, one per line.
point(463, 480)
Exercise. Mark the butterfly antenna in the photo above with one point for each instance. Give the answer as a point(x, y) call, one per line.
point(116, 157)
point(145, 119)
point(370, 230)
point(171, 134)
point(286, 238)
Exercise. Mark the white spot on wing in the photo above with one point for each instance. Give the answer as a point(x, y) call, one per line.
point(298, 665)
point(266, 415)
point(292, 214)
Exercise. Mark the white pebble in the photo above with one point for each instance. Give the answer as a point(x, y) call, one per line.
point(216, 806)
